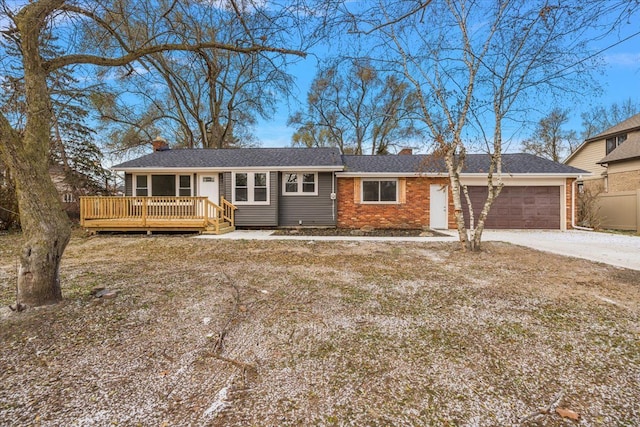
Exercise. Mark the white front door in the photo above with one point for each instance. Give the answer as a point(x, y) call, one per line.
point(438, 196)
point(208, 186)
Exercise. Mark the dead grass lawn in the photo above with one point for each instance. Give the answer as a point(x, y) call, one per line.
point(218, 332)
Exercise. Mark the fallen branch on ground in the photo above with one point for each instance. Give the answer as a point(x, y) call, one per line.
point(545, 410)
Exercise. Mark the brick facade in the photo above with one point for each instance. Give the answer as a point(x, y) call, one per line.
point(624, 181)
point(411, 213)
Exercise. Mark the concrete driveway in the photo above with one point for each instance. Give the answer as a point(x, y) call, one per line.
point(613, 249)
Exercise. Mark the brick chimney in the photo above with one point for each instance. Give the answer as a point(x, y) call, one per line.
point(159, 144)
point(406, 152)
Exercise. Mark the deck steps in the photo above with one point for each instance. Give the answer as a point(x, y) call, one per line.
point(224, 227)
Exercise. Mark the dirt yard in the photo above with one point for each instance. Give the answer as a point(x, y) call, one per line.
point(238, 333)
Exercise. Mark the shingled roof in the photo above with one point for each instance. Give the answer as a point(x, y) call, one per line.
point(513, 163)
point(629, 149)
point(631, 123)
point(237, 158)
point(330, 158)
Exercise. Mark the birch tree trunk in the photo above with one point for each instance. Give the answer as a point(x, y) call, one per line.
point(453, 167)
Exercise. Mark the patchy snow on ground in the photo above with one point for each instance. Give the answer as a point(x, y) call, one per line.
point(281, 333)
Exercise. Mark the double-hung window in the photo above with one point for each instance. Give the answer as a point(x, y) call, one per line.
point(184, 183)
point(251, 188)
point(300, 183)
point(142, 186)
point(241, 188)
point(260, 192)
point(379, 191)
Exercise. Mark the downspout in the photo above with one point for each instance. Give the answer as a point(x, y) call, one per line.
point(573, 207)
point(333, 197)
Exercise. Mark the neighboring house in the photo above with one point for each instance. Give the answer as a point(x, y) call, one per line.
point(71, 186)
point(613, 157)
point(280, 187)
point(622, 165)
point(596, 152)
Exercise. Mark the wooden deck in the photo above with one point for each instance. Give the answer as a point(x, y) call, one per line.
point(156, 214)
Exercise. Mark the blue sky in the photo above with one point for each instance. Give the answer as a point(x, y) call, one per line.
point(619, 79)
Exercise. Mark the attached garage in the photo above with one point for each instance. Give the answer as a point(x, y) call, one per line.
point(519, 207)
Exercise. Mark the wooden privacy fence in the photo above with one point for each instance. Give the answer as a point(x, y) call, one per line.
point(620, 210)
point(132, 212)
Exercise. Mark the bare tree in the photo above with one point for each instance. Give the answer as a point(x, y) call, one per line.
point(356, 108)
point(549, 139)
point(600, 118)
point(96, 34)
point(204, 98)
point(473, 65)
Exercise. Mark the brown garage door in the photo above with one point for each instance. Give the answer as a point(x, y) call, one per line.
point(519, 207)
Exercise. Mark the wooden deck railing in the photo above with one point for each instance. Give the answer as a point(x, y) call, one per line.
point(228, 211)
point(143, 211)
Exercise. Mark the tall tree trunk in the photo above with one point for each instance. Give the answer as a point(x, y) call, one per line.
point(453, 166)
point(494, 179)
point(45, 225)
point(46, 229)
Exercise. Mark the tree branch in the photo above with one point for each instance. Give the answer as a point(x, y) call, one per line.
point(97, 19)
point(63, 61)
point(419, 8)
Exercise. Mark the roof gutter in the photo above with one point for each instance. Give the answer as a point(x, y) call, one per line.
point(170, 170)
point(462, 175)
point(603, 135)
point(389, 174)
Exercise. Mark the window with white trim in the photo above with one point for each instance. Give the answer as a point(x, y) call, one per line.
point(251, 188)
point(300, 183)
point(379, 191)
point(260, 192)
point(163, 185)
point(142, 186)
point(241, 188)
point(184, 183)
